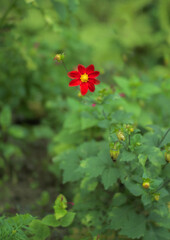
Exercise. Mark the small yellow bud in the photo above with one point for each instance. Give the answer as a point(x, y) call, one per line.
point(156, 197)
point(120, 136)
point(167, 156)
point(131, 129)
point(168, 205)
point(146, 184)
point(59, 57)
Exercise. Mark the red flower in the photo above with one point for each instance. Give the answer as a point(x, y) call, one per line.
point(85, 77)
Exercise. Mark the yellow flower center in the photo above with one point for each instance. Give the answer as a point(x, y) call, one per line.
point(84, 77)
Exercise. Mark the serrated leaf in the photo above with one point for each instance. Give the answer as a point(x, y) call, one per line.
point(60, 207)
point(146, 198)
point(135, 226)
point(127, 156)
point(142, 159)
point(119, 199)
point(109, 177)
point(39, 230)
point(67, 219)
point(134, 188)
point(51, 221)
point(94, 167)
point(128, 222)
point(156, 157)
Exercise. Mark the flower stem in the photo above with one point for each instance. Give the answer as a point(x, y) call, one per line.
point(163, 137)
point(65, 66)
point(129, 138)
point(162, 185)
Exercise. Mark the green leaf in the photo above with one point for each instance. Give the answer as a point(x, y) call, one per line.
point(5, 117)
point(109, 177)
point(134, 188)
point(134, 227)
point(128, 222)
point(119, 199)
point(127, 156)
point(39, 230)
point(17, 132)
point(70, 163)
point(146, 198)
point(142, 159)
point(67, 219)
point(104, 123)
point(156, 156)
point(94, 167)
point(60, 207)
point(51, 221)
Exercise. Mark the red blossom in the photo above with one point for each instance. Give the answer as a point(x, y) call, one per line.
point(85, 77)
point(122, 95)
point(93, 104)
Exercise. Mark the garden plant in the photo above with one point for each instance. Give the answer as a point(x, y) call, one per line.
point(84, 120)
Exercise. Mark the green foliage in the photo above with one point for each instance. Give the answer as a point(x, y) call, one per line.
point(23, 227)
point(15, 228)
point(128, 42)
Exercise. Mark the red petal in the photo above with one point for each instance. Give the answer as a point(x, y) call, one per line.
point(94, 74)
point(81, 69)
point(91, 87)
point(73, 74)
point(94, 81)
point(84, 88)
point(90, 69)
point(74, 83)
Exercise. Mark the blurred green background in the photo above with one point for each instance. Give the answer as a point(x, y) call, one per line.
point(128, 41)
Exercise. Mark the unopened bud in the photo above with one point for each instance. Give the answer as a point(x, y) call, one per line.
point(59, 57)
point(167, 156)
point(146, 184)
point(120, 136)
point(156, 197)
point(114, 153)
point(131, 129)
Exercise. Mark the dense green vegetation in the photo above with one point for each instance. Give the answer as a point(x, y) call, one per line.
point(84, 167)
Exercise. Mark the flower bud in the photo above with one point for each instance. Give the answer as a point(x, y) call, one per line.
point(114, 153)
point(59, 57)
point(120, 136)
point(131, 129)
point(146, 184)
point(157, 196)
point(167, 156)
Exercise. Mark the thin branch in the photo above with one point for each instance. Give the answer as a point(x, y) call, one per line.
point(162, 185)
point(129, 138)
point(163, 137)
point(65, 66)
point(104, 114)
